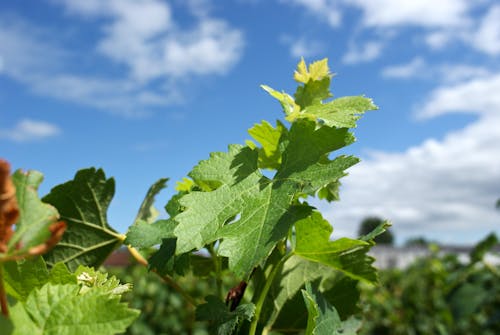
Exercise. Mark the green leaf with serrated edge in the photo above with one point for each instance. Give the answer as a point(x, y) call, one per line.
point(173, 207)
point(22, 277)
point(145, 235)
point(92, 280)
point(341, 113)
point(223, 168)
point(477, 254)
point(269, 138)
point(294, 274)
point(264, 205)
point(147, 212)
point(61, 310)
point(380, 229)
point(346, 255)
point(83, 203)
point(59, 274)
point(222, 320)
point(313, 92)
point(185, 185)
point(323, 318)
point(287, 103)
point(32, 229)
point(317, 71)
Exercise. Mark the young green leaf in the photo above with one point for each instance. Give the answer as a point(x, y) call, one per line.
point(82, 203)
point(61, 310)
point(270, 139)
point(341, 113)
point(90, 279)
point(317, 71)
point(346, 255)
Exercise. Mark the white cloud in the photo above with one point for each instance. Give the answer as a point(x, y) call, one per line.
point(487, 37)
point(478, 95)
point(303, 47)
point(415, 68)
point(144, 36)
point(30, 130)
point(328, 11)
point(446, 73)
point(160, 57)
point(364, 53)
point(443, 189)
point(423, 13)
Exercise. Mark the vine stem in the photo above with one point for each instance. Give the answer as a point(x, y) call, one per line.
point(3, 295)
point(263, 294)
point(217, 265)
point(166, 278)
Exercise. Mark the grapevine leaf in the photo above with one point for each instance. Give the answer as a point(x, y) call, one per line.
point(287, 103)
point(36, 217)
point(185, 185)
point(269, 138)
point(380, 229)
point(341, 113)
point(266, 208)
point(90, 279)
point(61, 310)
point(317, 71)
point(59, 274)
point(313, 93)
point(323, 318)
point(346, 255)
point(222, 320)
point(147, 212)
point(22, 277)
point(145, 235)
point(295, 273)
point(82, 203)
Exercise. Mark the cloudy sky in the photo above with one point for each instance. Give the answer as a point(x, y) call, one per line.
point(147, 88)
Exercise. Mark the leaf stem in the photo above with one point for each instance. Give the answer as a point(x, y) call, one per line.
point(3, 295)
point(264, 292)
point(217, 265)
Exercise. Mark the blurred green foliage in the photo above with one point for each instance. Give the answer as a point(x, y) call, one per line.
point(163, 310)
point(436, 295)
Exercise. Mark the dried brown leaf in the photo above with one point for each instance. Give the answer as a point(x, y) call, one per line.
point(9, 210)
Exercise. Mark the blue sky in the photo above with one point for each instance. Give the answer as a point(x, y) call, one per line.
point(147, 88)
